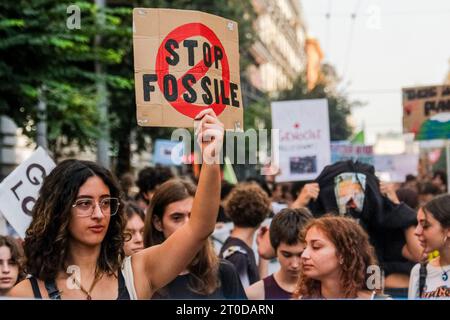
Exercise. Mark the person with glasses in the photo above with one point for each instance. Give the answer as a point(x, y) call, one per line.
point(74, 244)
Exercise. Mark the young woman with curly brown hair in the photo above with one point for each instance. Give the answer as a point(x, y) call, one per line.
point(335, 261)
point(78, 227)
point(207, 276)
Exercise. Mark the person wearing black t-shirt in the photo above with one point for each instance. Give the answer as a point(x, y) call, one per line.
point(247, 206)
point(206, 277)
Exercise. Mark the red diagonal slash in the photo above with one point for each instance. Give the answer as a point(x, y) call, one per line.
point(198, 71)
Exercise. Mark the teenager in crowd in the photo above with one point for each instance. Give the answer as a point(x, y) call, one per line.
point(75, 240)
point(285, 239)
point(11, 264)
point(206, 276)
point(134, 229)
point(432, 279)
point(336, 261)
point(248, 206)
point(148, 180)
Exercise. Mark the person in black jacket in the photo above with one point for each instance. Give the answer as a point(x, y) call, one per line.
point(390, 224)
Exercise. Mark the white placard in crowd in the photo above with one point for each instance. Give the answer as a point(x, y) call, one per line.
point(19, 190)
point(395, 167)
point(304, 138)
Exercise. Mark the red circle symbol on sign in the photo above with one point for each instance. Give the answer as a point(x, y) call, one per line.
point(198, 71)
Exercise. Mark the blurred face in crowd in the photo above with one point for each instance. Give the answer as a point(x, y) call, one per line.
point(319, 258)
point(89, 226)
point(431, 234)
point(9, 270)
point(175, 216)
point(425, 198)
point(289, 257)
point(135, 227)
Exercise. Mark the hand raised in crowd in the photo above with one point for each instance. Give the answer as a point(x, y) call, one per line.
point(265, 249)
point(309, 192)
point(209, 132)
point(388, 190)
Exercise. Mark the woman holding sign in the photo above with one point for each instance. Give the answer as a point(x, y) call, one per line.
point(74, 245)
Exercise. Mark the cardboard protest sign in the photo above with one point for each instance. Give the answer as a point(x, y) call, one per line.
point(184, 62)
point(19, 190)
point(304, 146)
point(426, 112)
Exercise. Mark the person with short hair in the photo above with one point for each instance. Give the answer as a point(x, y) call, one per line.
point(284, 234)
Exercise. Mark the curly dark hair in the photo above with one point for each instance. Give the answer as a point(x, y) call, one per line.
point(150, 178)
point(47, 238)
point(248, 205)
point(352, 245)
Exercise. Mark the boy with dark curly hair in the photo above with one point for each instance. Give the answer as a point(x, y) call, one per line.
point(247, 206)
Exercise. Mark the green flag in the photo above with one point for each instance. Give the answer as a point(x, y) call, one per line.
point(228, 172)
point(358, 137)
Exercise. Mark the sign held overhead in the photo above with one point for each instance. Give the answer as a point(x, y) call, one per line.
point(184, 62)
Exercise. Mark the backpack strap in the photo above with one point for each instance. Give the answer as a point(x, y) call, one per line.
point(52, 290)
point(232, 250)
point(422, 278)
point(35, 287)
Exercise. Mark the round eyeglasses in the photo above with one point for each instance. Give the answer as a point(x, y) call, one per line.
point(85, 207)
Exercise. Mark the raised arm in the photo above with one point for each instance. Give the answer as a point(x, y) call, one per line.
point(158, 265)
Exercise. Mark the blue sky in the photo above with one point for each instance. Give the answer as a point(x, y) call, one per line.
point(389, 44)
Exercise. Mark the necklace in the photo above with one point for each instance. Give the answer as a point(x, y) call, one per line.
point(88, 292)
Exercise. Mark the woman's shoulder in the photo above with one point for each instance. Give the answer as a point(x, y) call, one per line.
point(22, 290)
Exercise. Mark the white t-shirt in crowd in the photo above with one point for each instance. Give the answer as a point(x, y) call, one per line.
point(435, 286)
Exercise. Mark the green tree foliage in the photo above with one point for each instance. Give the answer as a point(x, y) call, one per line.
point(339, 106)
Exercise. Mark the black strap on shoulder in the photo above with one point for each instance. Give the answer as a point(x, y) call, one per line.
point(52, 290)
point(35, 287)
point(123, 291)
point(422, 278)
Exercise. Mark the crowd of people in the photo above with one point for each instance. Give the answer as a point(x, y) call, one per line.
point(345, 235)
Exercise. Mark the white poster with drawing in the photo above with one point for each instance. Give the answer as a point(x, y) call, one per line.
point(304, 144)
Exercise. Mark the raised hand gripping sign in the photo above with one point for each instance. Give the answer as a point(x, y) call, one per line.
point(19, 190)
point(185, 61)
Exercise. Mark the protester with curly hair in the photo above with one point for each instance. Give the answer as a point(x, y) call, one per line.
point(134, 228)
point(336, 261)
point(247, 206)
point(74, 245)
point(11, 264)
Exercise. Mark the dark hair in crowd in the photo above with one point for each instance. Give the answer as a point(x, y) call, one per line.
point(408, 196)
point(352, 246)
point(131, 208)
point(439, 207)
point(47, 238)
point(286, 226)
point(149, 178)
point(248, 205)
point(204, 268)
point(17, 256)
point(429, 188)
point(441, 174)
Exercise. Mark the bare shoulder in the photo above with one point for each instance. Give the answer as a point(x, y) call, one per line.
point(22, 290)
point(141, 274)
point(256, 291)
